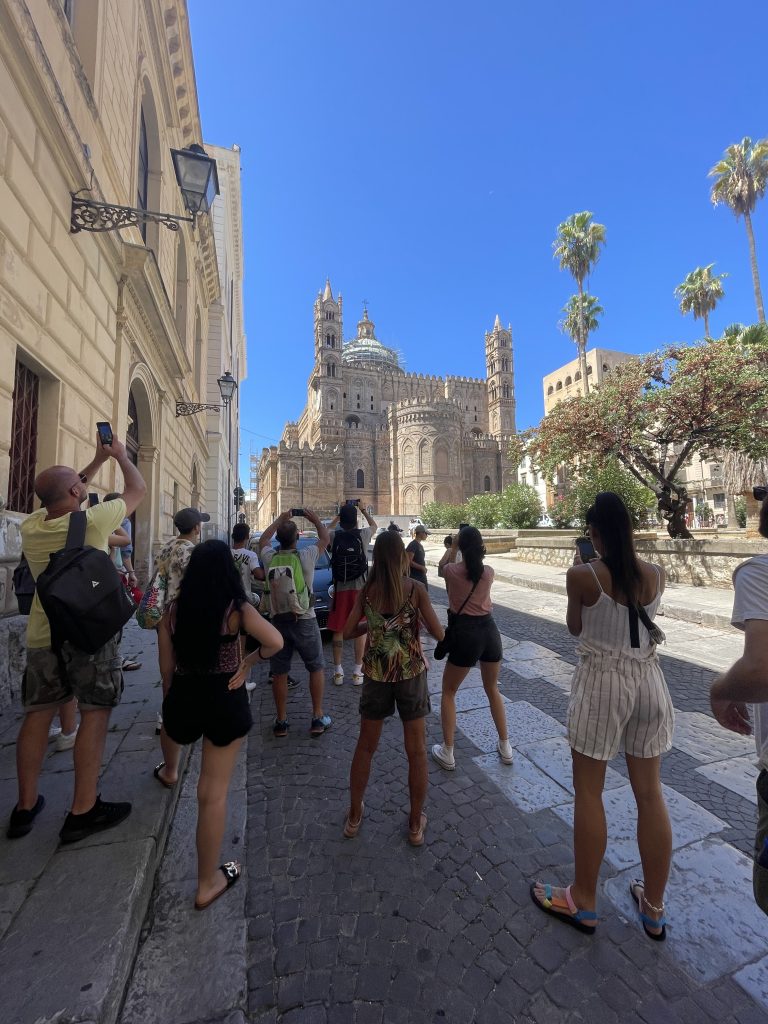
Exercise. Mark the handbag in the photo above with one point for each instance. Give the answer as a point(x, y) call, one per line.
point(443, 647)
point(637, 612)
point(152, 604)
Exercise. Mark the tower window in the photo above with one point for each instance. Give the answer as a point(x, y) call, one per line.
point(486, 483)
point(360, 479)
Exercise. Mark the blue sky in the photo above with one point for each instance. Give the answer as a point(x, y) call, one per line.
point(423, 154)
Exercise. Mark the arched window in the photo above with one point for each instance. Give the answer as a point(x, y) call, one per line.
point(486, 483)
point(182, 281)
point(559, 385)
point(360, 481)
point(568, 382)
point(148, 166)
point(605, 367)
point(142, 200)
point(550, 390)
point(589, 370)
point(578, 375)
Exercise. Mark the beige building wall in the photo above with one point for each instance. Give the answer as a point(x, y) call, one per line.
point(566, 381)
point(113, 325)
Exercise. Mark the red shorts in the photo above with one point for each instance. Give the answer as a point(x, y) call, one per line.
point(343, 602)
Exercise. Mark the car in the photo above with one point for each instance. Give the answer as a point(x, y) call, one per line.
point(545, 522)
point(320, 585)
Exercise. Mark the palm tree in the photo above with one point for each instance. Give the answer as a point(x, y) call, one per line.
point(577, 247)
point(741, 178)
point(699, 293)
point(578, 312)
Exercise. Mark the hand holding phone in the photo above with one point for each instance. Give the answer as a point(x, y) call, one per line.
point(296, 512)
point(586, 549)
point(104, 430)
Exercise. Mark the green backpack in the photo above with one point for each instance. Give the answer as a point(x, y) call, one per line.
point(288, 593)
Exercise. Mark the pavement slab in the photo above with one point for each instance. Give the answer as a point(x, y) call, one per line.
point(738, 774)
point(553, 757)
point(705, 740)
point(529, 788)
point(754, 979)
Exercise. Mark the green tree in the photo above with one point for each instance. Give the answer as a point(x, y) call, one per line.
point(740, 508)
point(700, 293)
point(437, 514)
point(741, 178)
point(581, 313)
point(653, 412)
point(610, 476)
point(519, 507)
point(577, 247)
point(483, 511)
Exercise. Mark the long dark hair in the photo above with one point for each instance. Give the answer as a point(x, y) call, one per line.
point(210, 584)
point(472, 552)
point(385, 580)
point(611, 519)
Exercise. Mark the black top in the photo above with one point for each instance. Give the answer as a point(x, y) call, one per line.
point(417, 551)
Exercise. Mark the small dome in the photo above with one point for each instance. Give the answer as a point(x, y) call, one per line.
point(366, 348)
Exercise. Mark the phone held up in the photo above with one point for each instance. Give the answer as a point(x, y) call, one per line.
point(93, 499)
point(353, 501)
point(586, 549)
point(295, 512)
point(105, 433)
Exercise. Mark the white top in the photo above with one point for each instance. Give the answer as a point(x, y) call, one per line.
point(750, 601)
point(605, 627)
point(246, 561)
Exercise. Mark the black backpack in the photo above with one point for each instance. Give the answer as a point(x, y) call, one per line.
point(348, 558)
point(82, 594)
point(23, 586)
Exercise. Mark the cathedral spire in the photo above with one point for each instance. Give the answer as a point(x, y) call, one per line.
point(327, 294)
point(497, 323)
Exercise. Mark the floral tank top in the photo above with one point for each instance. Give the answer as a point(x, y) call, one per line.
point(393, 649)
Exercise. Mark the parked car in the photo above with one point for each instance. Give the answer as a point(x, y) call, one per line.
point(320, 585)
point(545, 522)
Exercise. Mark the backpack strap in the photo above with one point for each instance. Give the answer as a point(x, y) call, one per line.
point(76, 531)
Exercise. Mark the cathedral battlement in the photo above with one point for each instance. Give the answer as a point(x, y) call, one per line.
point(451, 379)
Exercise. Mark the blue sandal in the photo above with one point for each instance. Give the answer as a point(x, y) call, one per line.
point(646, 921)
point(579, 919)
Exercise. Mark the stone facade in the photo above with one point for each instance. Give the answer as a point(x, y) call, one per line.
point(101, 326)
point(395, 440)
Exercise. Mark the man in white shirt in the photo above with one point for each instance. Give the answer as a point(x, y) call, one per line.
point(746, 682)
point(247, 561)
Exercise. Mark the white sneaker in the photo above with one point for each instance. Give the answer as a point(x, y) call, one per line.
point(158, 724)
point(54, 732)
point(65, 741)
point(505, 751)
point(357, 678)
point(250, 685)
point(338, 677)
point(447, 761)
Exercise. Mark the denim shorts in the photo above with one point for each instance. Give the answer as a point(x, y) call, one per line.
point(52, 679)
point(302, 636)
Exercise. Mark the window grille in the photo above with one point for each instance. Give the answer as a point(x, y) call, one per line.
point(26, 398)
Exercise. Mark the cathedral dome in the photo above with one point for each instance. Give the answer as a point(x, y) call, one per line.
point(366, 347)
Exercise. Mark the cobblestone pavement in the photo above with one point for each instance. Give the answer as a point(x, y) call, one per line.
point(371, 930)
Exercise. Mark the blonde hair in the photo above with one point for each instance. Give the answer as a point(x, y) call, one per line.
point(384, 586)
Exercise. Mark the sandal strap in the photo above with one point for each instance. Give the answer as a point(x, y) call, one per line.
point(651, 922)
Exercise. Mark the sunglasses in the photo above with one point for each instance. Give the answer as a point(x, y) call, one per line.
point(760, 493)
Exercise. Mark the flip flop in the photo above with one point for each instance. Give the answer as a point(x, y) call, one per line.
point(577, 918)
point(645, 920)
point(156, 773)
point(231, 872)
point(129, 665)
point(417, 838)
point(352, 828)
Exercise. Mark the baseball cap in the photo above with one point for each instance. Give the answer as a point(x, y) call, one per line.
point(421, 529)
point(186, 519)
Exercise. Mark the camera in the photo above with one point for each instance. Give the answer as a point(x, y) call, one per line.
point(104, 431)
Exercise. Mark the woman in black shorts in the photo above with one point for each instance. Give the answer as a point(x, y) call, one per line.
point(203, 675)
point(474, 637)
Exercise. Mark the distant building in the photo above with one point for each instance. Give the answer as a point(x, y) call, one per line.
point(566, 382)
point(395, 440)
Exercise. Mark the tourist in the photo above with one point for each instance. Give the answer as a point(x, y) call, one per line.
point(417, 562)
point(388, 611)
point(247, 561)
point(121, 549)
point(53, 678)
point(474, 636)
point(619, 701)
point(290, 575)
point(349, 568)
point(746, 682)
point(203, 675)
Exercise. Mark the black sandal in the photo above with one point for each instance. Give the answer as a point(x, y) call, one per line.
point(156, 773)
point(231, 872)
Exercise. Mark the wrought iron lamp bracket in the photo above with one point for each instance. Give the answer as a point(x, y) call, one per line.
point(190, 408)
point(88, 215)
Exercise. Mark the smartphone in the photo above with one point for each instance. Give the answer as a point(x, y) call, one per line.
point(93, 499)
point(105, 433)
point(586, 549)
point(297, 512)
point(352, 501)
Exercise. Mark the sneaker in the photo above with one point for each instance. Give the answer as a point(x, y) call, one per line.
point(292, 683)
point(158, 724)
point(66, 740)
point(280, 728)
point(319, 725)
point(53, 732)
point(22, 821)
point(357, 678)
point(100, 817)
point(505, 751)
point(447, 761)
point(338, 677)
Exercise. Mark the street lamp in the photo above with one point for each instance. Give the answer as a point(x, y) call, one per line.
point(197, 178)
point(227, 385)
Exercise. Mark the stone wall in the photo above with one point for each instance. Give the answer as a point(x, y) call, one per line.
point(10, 553)
point(705, 562)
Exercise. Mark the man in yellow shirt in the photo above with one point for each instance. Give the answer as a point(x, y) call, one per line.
point(54, 678)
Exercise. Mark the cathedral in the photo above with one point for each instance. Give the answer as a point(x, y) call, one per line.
point(393, 439)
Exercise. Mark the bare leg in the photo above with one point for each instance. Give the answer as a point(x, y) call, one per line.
point(590, 834)
point(453, 677)
point(415, 737)
point(89, 748)
point(367, 743)
point(280, 693)
point(338, 649)
point(489, 670)
point(68, 717)
point(359, 649)
point(31, 745)
point(216, 769)
point(171, 756)
point(316, 687)
point(654, 833)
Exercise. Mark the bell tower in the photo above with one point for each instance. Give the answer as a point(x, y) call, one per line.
point(500, 380)
point(325, 385)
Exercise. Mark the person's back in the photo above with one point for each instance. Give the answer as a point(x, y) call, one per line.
point(605, 623)
point(393, 650)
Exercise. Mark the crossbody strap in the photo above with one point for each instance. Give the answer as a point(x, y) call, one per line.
point(467, 598)
point(76, 530)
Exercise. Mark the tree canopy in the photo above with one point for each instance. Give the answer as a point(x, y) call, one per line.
point(700, 293)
